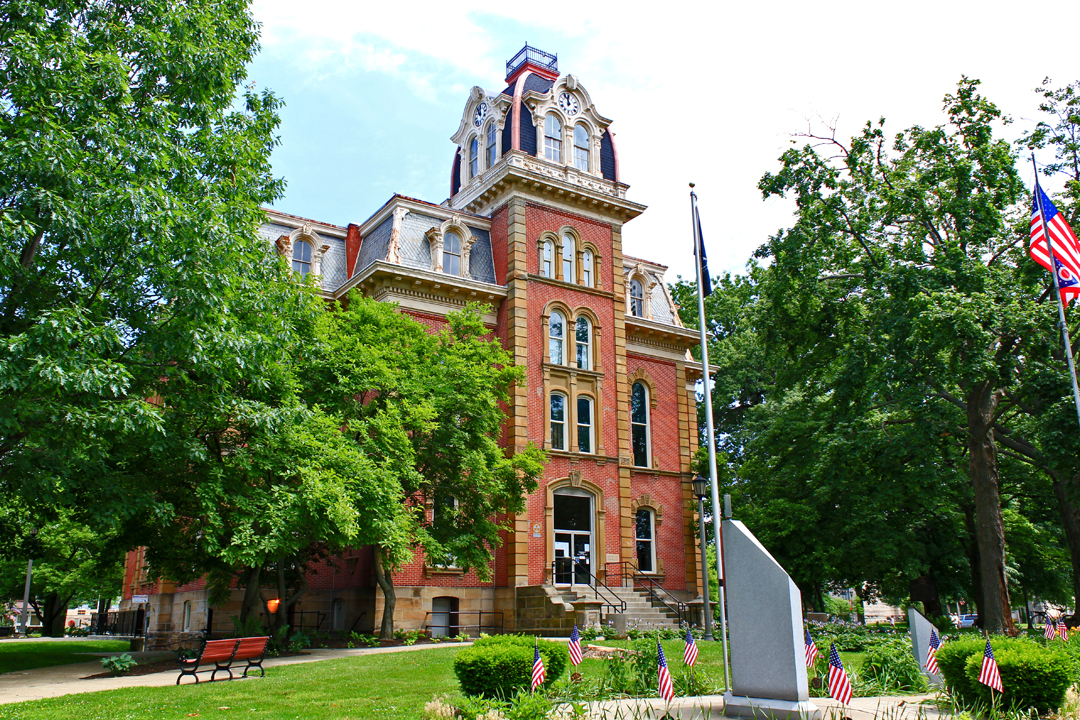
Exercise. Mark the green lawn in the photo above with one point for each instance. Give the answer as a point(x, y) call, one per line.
point(24, 655)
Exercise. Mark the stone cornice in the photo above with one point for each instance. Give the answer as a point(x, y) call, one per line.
point(386, 279)
point(652, 331)
point(294, 221)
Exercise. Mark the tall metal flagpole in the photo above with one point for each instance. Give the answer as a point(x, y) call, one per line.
point(709, 428)
point(1057, 290)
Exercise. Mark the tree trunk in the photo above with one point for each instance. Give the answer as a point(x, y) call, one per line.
point(994, 614)
point(924, 589)
point(52, 621)
point(252, 594)
point(103, 615)
point(971, 549)
point(860, 589)
point(386, 584)
point(1065, 491)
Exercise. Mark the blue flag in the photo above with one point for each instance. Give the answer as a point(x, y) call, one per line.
point(706, 281)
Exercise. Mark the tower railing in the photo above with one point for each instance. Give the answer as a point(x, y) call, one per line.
point(533, 55)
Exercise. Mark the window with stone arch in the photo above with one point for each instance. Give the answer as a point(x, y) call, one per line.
point(451, 253)
point(645, 535)
point(583, 333)
point(547, 259)
point(556, 337)
point(569, 258)
point(587, 268)
point(553, 138)
point(492, 150)
point(640, 441)
point(585, 424)
point(474, 157)
point(581, 147)
point(301, 257)
point(637, 298)
point(558, 421)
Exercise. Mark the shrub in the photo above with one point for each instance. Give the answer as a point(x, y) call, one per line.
point(890, 666)
point(501, 665)
point(1033, 676)
point(118, 663)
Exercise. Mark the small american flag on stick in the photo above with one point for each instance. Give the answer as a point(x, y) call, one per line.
point(1050, 631)
point(575, 647)
point(839, 685)
point(989, 674)
point(667, 689)
point(812, 653)
point(538, 667)
point(689, 655)
point(931, 652)
point(1063, 632)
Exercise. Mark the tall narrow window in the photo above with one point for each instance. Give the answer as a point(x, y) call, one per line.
point(555, 337)
point(581, 148)
point(187, 616)
point(558, 421)
point(301, 257)
point(637, 299)
point(474, 158)
point(552, 138)
point(586, 268)
point(584, 425)
point(491, 151)
point(568, 255)
point(583, 340)
point(644, 531)
point(639, 424)
point(451, 253)
point(443, 514)
point(547, 266)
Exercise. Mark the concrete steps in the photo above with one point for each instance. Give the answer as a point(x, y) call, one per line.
point(641, 612)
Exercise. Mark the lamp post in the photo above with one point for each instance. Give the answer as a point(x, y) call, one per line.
point(26, 592)
point(701, 489)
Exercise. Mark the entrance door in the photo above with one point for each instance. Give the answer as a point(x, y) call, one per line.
point(573, 513)
point(440, 617)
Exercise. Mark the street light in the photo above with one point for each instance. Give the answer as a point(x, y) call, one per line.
point(26, 593)
point(701, 489)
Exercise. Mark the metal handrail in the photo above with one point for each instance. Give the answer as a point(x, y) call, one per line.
point(536, 55)
point(613, 601)
point(479, 626)
point(654, 589)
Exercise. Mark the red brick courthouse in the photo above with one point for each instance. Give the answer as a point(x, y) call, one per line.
point(533, 227)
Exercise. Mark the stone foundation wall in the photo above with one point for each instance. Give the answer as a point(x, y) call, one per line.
point(541, 611)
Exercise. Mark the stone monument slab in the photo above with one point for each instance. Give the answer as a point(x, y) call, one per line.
point(919, 630)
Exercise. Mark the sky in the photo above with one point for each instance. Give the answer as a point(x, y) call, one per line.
point(707, 93)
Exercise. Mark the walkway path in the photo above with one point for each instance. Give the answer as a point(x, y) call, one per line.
point(68, 679)
point(707, 707)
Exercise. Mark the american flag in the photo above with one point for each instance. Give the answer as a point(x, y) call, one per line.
point(931, 652)
point(667, 690)
point(689, 655)
point(1063, 632)
point(538, 668)
point(989, 674)
point(839, 685)
point(1066, 247)
point(812, 653)
point(1050, 631)
point(575, 647)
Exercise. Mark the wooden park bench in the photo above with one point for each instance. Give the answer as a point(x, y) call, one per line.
point(223, 653)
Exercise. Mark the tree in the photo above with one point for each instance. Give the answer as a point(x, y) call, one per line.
point(130, 193)
point(430, 405)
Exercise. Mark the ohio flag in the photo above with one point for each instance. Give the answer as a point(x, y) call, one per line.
point(1066, 246)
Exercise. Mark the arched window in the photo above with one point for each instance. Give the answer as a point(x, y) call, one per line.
point(644, 532)
point(584, 424)
point(568, 256)
point(637, 298)
point(586, 268)
point(583, 341)
point(555, 337)
point(639, 424)
point(491, 151)
point(451, 253)
point(558, 421)
point(474, 158)
point(301, 257)
point(581, 148)
point(552, 138)
point(547, 267)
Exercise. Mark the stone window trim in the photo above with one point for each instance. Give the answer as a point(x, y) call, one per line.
point(576, 481)
point(580, 246)
point(319, 247)
point(593, 425)
point(570, 417)
point(542, 105)
point(648, 282)
point(570, 316)
point(435, 241)
point(497, 107)
point(642, 376)
point(646, 502)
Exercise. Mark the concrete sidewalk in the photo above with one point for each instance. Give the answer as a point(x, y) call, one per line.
point(709, 707)
point(58, 680)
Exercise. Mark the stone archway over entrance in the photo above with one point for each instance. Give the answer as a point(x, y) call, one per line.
point(576, 522)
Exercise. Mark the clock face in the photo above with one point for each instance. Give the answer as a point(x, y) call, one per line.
point(568, 103)
point(480, 114)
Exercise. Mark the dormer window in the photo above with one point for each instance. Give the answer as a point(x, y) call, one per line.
point(301, 257)
point(474, 158)
point(452, 252)
point(568, 259)
point(552, 138)
point(637, 298)
point(491, 150)
point(581, 148)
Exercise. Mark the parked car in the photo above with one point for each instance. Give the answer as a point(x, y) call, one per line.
point(967, 621)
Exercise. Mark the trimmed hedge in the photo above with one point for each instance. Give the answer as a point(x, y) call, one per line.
point(1032, 675)
point(500, 665)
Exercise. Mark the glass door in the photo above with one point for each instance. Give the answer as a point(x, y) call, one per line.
point(573, 539)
